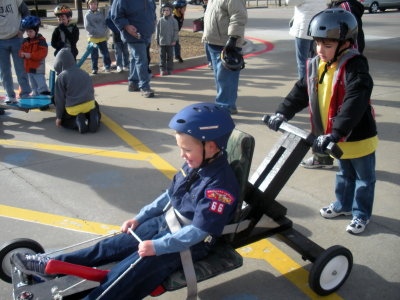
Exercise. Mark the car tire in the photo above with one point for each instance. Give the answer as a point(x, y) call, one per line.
point(374, 8)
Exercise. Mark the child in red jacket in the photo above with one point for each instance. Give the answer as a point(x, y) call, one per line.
point(34, 52)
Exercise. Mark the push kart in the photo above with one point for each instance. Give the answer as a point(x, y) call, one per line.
point(331, 267)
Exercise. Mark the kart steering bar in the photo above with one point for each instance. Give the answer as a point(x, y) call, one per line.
point(332, 149)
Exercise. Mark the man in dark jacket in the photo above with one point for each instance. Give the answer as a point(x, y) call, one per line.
point(136, 20)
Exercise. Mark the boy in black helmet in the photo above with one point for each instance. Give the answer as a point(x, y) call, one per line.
point(203, 194)
point(337, 89)
point(66, 34)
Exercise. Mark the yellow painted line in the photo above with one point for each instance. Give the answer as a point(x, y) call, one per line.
point(294, 272)
point(88, 151)
point(159, 163)
point(56, 221)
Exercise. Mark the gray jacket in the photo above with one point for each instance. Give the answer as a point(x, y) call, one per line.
point(73, 85)
point(95, 24)
point(224, 18)
point(167, 31)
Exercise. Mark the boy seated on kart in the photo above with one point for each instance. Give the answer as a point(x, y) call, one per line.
point(202, 194)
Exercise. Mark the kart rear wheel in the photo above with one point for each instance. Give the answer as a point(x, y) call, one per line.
point(330, 270)
point(23, 245)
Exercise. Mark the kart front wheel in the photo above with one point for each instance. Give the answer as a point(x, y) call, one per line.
point(330, 270)
point(22, 245)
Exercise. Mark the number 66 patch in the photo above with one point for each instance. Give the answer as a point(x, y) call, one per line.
point(217, 207)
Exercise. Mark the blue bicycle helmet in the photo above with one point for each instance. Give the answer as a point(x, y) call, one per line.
point(179, 3)
point(205, 122)
point(30, 22)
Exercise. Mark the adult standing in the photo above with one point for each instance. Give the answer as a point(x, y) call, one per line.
point(304, 10)
point(136, 21)
point(224, 26)
point(10, 44)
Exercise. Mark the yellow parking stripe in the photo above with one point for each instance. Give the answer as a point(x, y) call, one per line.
point(267, 251)
point(159, 163)
point(56, 221)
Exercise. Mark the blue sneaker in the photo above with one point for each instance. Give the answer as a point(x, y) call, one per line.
point(31, 264)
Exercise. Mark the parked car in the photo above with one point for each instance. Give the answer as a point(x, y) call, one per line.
point(374, 5)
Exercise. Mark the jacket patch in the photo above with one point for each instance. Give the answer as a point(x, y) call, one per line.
point(220, 195)
point(217, 207)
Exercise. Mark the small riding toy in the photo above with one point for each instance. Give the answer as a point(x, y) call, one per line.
point(330, 268)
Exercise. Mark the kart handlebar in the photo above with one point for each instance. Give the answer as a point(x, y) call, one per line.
point(332, 149)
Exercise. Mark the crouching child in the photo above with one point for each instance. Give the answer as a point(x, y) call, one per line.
point(76, 107)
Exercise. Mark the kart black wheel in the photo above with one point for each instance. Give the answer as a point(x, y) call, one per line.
point(9, 248)
point(330, 270)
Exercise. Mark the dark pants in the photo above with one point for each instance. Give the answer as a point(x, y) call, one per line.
point(166, 58)
point(69, 121)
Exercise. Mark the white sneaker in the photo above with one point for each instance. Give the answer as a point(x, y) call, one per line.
point(10, 100)
point(125, 68)
point(328, 212)
point(356, 225)
point(119, 69)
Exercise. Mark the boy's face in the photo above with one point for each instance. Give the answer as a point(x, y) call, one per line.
point(93, 6)
point(166, 11)
point(63, 19)
point(191, 149)
point(31, 33)
point(326, 48)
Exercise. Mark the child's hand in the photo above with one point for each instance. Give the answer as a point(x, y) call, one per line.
point(21, 54)
point(27, 55)
point(146, 248)
point(131, 30)
point(132, 223)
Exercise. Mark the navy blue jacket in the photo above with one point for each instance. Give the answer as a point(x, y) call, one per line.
point(139, 13)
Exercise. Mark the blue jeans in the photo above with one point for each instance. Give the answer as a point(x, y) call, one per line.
point(102, 46)
point(122, 54)
point(304, 50)
point(7, 48)
point(355, 186)
point(226, 81)
point(139, 72)
point(38, 83)
point(149, 273)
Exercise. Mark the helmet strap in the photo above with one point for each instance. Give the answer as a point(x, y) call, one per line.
point(338, 52)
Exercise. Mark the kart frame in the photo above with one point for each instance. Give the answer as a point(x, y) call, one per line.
point(331, 267)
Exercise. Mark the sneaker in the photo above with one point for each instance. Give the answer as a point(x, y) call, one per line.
point(133, 87)
point(233, 110)
point(328, 212)
point(357, 225)
point(10, 100)
point(106, 70)
point(94, 120)
point(178, 58)
point(31, 264)
point(119, 69)
point(147, 93)
point(210, 66)
point(94, 72)
point(163, 73)
point(125, 68)
point(315, 162)
point(81, 123)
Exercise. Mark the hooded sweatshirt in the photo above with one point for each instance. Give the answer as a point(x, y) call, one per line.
point(73, 85)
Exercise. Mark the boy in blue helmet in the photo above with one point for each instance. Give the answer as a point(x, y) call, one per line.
point(203, 194)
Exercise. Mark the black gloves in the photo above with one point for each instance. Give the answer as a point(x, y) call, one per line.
point(231, 44)
point(275, 121)
point(321, 142)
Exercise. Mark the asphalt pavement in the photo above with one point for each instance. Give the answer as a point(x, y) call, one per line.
point(59, 187)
